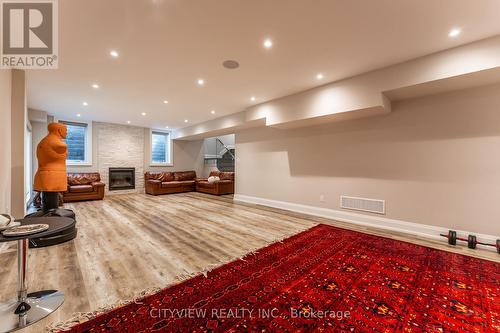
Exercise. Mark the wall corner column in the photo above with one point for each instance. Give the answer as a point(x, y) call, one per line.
point(19, 115)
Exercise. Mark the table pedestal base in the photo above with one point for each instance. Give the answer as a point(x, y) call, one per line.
point(28, 308)
point(41, 304)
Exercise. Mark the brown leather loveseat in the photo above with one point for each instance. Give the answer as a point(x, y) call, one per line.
point(169, 182)
point(223, 186)
point(84, 186)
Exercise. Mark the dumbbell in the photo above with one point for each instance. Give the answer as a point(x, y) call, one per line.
point(472, 241)
point(452, 239)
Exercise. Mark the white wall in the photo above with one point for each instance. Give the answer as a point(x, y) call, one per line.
point(38, 132)
point(5, 139)
point(13, 122)
point(18, 123)
point(435, 160)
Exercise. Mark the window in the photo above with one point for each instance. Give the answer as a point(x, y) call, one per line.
point(160, 148)
point(78, 143)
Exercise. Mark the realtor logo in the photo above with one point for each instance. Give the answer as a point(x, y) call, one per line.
point(29, 38)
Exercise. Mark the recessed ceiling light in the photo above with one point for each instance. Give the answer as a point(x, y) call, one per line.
point(114, 54)
point(201, 82)
point(268, 43)
point(212, 112)
point(166, 126)
point(128, 121)
point(85, 104)
point(454, 32)
point(78, 115)
point(319, 76)
point(185, 120)
point(165, 102)
point(143, 114)
point(252, 98)
point(95, 86)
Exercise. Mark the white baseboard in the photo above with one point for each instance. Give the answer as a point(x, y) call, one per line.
point(422, 230)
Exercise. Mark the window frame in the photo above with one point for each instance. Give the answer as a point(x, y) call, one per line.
point(88, 142)
point(170, 152)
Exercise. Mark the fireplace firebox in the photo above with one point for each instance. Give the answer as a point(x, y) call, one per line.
point(121, 179)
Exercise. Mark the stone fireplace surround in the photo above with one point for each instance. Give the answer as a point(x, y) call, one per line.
point(120, 146)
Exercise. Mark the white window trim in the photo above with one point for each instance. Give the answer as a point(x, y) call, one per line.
point(170, 149)
point(88, 142)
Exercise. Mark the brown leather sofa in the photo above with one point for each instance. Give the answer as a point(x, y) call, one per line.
point(84, 186)
point(223, 186)
point(169, 182)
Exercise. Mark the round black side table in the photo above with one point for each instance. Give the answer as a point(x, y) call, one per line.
point(29, 308)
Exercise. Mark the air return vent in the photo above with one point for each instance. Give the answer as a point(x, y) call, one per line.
point(363, 204)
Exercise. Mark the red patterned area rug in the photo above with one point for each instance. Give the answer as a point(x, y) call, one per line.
point(324, 279)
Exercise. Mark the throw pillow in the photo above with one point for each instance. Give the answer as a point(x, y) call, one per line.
point(213, 179)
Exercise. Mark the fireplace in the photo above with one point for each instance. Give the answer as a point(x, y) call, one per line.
point(121, 179)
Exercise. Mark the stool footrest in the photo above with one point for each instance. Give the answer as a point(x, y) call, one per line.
point(36, 306)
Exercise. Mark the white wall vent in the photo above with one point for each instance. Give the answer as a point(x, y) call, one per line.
point(363, 204)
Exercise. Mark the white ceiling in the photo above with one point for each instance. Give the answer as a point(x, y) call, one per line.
point(166, 45)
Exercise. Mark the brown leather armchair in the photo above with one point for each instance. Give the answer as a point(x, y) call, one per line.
point(223, 186)
point(84, 186)
point(169, 182)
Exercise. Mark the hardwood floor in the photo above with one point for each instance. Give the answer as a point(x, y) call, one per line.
point(129, 243)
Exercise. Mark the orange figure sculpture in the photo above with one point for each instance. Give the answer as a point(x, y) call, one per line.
point(51, 153)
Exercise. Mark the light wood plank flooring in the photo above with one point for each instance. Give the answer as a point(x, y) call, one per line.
point(128, 243)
